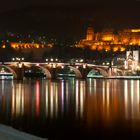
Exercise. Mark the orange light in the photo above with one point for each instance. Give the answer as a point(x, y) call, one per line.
point(93, 47)
point(37, 46)
point(115, 49)
point(28, 45)
point(125, 40)
point(3, 47)
point(50, 45)
point(100, 48)
point(107, 48)
point(135, 30)
point(122, 49)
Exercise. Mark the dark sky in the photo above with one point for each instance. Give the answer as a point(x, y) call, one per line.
point(13, 4)
point(68, 18)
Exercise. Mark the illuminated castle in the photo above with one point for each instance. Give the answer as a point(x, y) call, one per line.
point(109, 41)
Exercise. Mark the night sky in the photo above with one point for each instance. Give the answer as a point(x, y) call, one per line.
point(67, 19)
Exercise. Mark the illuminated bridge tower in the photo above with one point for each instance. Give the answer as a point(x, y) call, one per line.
point(90, 34)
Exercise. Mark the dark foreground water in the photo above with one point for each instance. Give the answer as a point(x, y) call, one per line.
point(72, 109)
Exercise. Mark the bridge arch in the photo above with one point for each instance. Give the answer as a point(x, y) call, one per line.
point(46, 72)
point(76, 71)
point(93, 72)
point(102, 71)
point(11, 70)
point(118, 72)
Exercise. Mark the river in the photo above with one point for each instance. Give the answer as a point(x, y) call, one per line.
point(72, 109)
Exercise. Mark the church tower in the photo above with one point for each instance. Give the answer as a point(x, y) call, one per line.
point(90, 34)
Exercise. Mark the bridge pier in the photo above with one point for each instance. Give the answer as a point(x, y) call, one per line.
point(84, 72)
point(53, 73)
point(20, 73)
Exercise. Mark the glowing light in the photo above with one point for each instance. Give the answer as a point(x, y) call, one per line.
point(138, 97)
point(115, 49)
point(126, 98)
point(56, 101)
point(132, 98)
point(122, 49)
point(82, 93)
point(108, 97)
point(51, 100)
point(90, 33)
point(17, 45)
point(93, 47)
point(18, 100)
point(107, 48)
point(50, 45)
point(47, 99)
point(3, 46)
point(37, 46)
point(103, 93)
point(20, 65)
point(77, 97)
point(67, 96)
point(84, 66)
point(138, 67)
point(62, 95)
point(54, 65)
point(107, 63)
point(37, 64)
point(135, 30)
point(99, 48)
point(37, 98)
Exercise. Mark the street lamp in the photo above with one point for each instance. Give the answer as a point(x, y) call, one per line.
point(19, 60)
point(52, 59)
point(13, 59)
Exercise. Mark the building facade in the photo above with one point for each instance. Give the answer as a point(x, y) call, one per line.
point(108, 40)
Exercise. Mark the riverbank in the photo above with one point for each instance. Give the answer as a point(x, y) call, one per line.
point(9, 133)
point(117, 77)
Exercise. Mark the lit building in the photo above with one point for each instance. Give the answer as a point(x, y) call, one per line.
point(132, 60)
point(90, 34)
point(110, 41)
point(33, 49)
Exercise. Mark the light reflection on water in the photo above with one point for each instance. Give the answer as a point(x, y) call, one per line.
point(91, 102)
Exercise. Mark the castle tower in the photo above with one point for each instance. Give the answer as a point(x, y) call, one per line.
point(90, 34)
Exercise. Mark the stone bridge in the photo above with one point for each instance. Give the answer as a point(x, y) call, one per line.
point(50, 70)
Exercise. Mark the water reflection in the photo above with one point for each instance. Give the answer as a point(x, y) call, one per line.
point(131, 99)
point(18, 100)
point(92, 101)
